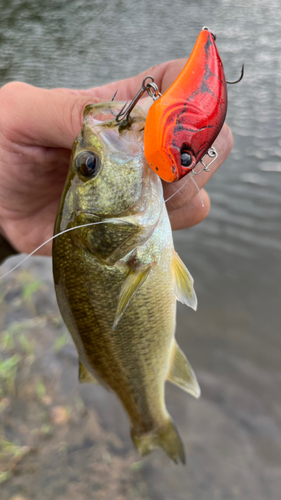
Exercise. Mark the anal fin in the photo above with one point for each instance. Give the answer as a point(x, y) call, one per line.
point(181, 373)
point(183, 283)
point(85, 375)
point(131, 285)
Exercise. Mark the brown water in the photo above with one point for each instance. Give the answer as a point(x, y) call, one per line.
point(232, 435)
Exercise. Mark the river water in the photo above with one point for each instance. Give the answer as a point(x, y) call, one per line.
point(232, 435)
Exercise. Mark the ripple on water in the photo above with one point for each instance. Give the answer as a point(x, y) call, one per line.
point(83, 43)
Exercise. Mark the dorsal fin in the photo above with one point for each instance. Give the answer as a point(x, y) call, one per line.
point(181, 373)
point(131, 285)
point(183, 283)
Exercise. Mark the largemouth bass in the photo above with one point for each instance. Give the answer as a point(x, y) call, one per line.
point(117, 278)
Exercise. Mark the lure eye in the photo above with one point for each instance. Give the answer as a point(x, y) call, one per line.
point(88, 163)
point(186, 159)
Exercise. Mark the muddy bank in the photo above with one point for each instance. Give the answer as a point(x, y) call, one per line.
point(52, 445)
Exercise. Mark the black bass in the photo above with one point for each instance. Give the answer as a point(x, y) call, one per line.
point(117, 278)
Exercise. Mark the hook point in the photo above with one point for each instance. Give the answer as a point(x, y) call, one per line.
point(240, 77)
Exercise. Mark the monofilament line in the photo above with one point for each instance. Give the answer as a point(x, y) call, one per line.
point(191, 175)
point(45, 243)
point(93, 224)
point(176, 192)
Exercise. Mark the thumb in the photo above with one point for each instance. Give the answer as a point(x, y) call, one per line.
point(40, 117)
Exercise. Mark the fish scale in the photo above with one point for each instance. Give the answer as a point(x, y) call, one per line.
point(116, 281)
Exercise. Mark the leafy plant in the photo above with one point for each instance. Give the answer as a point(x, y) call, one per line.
point(8, 370)
point(61, 342)
point(30, 288)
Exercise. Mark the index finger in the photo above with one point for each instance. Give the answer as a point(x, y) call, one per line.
point(53, 118)
point(164, 75)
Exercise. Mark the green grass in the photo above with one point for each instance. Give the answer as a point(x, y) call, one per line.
point(18, 342)
point(30, 288)
point(10, 455)
point(40, 389)
point(15, 349)
point(8, 371)
point(61, 342)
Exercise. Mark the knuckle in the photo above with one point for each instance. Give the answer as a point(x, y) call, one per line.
point(10, 96)
point(74, 114)
point(9, 93)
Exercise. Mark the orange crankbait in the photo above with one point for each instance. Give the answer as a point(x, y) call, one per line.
point(183, 123)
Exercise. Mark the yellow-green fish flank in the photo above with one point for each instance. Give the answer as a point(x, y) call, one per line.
point(118, 279)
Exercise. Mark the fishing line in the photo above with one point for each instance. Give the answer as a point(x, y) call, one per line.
point(176, 192)
point(47, 241)
point(191, 175)
point(199, 191)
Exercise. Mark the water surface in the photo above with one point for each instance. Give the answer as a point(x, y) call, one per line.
point(232, 435)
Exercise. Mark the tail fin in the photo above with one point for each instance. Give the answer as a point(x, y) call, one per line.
point(166, 437)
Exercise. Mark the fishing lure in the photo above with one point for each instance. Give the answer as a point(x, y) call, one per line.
point(183, 123)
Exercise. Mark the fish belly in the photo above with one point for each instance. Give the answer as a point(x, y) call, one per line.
point(133, 359)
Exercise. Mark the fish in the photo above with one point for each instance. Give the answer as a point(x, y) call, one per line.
point(117, 276)
point(184, 122)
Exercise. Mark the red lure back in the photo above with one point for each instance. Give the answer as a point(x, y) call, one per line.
point(184, 122)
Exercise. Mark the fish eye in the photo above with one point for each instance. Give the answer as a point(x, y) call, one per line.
point(87, 163)
point(186, 159)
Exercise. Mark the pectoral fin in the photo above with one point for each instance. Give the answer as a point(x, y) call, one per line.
point(183, 283)
point(85, 375)
point(112, 239)
point(131, 285)
point(181, 373)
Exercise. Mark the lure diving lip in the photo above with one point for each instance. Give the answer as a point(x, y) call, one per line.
point(183, 123)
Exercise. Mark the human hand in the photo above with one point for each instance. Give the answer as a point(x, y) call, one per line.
point(37, 130)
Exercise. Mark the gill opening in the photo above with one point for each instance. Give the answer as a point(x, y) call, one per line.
point(48, 241)
point(212, 153)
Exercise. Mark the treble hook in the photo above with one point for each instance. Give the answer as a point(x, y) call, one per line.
point(151, 88)
point(239, 79)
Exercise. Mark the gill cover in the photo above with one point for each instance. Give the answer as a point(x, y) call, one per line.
point(184, 122)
